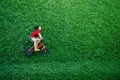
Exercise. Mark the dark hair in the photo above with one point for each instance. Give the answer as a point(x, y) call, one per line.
point(36, 27)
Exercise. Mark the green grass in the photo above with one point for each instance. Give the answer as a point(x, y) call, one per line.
point(83, 36)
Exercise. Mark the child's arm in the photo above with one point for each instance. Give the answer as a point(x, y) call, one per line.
point(40, 36)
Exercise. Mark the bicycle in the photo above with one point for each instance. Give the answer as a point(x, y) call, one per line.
point(44, 50)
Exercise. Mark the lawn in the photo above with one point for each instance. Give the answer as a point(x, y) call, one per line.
point(83, 36)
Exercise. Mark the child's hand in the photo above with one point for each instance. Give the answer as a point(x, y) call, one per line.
point(42, 38)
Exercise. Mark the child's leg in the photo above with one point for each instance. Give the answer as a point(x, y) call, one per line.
point(35, 44)
point(38, 40)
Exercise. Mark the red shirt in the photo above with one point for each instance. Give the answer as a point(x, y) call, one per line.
point(35, 33)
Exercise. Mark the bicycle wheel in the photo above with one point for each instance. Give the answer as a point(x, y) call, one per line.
point(28, 51)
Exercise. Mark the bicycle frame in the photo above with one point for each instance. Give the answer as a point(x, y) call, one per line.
point(39, 46)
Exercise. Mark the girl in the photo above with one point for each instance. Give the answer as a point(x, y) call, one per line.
point(36, 37)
